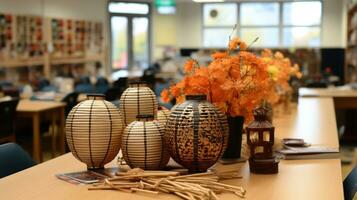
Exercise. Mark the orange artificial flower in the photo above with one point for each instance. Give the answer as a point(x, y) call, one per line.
point(165, 97)
point(233, 44)
point(218, 55)
point(235, 81)
point(266, 53)
point(280, 70)
point(243, 46)
point(189, 65)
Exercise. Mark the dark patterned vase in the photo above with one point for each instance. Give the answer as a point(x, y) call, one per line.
point(233, 150)
point(196, 133)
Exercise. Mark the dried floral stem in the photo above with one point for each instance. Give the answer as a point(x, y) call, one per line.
point(254, 41)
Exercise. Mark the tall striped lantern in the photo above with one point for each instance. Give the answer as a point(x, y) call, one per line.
point(93, 130)
point(138, 99)
point(163, 114)
point(196, 133)
point(143, 144)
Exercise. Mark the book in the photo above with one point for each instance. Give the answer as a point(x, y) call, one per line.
point(295, 153)
point(87, 177)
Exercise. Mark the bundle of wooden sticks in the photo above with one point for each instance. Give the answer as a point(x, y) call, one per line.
point(202, 186)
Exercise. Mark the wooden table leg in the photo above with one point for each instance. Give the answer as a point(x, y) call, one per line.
point(37, 154)
point(61, 130)
point(53, 134)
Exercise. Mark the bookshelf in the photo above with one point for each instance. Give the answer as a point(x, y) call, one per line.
point(32, 41)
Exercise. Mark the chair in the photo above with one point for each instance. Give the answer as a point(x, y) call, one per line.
point(71, 101)
point(122, 82)
point(13, 159)
point(43, 83)
point(101, 86)
point(11, 91)
point(7, 118)
point(84, 88)
point(113, 94)
point(350, 185)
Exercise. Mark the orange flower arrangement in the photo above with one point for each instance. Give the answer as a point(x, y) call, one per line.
point(236, 82)
point(280, 70)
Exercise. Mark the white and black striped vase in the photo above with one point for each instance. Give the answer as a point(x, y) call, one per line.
point(138, 99)
point(93, 130)
point(196, 133)
point(163, 114)
point(143, 144)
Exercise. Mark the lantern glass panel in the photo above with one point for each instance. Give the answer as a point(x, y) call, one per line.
point(259, 149)
point(266, 136)
point(254, 136)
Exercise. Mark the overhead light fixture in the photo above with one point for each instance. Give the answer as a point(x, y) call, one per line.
point(206, 1)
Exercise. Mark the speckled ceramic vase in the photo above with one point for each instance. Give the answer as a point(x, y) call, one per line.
point(196, 133)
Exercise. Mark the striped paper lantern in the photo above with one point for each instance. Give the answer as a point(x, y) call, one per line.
point(138, 99)
point(93, 130)
point(143, 144)
point(163, 114)
point(196, 133)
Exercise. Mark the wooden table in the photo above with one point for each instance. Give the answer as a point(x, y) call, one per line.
point(314, 121)
point(33, 110)
point(343, 98)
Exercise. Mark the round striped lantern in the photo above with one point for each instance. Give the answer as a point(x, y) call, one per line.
point(196, 133)
point(143, 144)
point(93, 130)
point(138, 99)
point(163, 114)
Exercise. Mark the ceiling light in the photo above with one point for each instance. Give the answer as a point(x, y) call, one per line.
point(205, 1)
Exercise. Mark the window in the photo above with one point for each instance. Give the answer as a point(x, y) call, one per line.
point(260, 20)
point(277, 24)
point(218, 21)
point(301, 29)
point(130, 34)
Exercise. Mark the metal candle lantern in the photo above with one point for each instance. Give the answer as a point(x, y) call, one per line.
point(260, 138)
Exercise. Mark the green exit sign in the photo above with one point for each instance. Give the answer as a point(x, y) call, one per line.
point(165, 3)
point(166, 7)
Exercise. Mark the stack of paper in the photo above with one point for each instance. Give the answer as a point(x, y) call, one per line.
point(292, 153)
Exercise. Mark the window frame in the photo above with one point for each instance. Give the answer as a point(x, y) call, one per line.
point(280, 26)
point(130, 40)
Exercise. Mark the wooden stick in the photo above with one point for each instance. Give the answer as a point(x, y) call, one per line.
point(144, 175)
point(182, 195)
point(144, 191)
point(227, 186)
point(190, 195)
point(214, 195)
point(201, 186)
point(192, 175)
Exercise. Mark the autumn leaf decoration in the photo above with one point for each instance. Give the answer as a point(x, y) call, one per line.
point(280, 70)
point(236, 81)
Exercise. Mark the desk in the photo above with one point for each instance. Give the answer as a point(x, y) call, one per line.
point(297, 179)
point(343, 98)
point(33, 110)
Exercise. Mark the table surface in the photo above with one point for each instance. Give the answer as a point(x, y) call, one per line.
point(37, 106)
point(327, 92)
point(314, 121)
